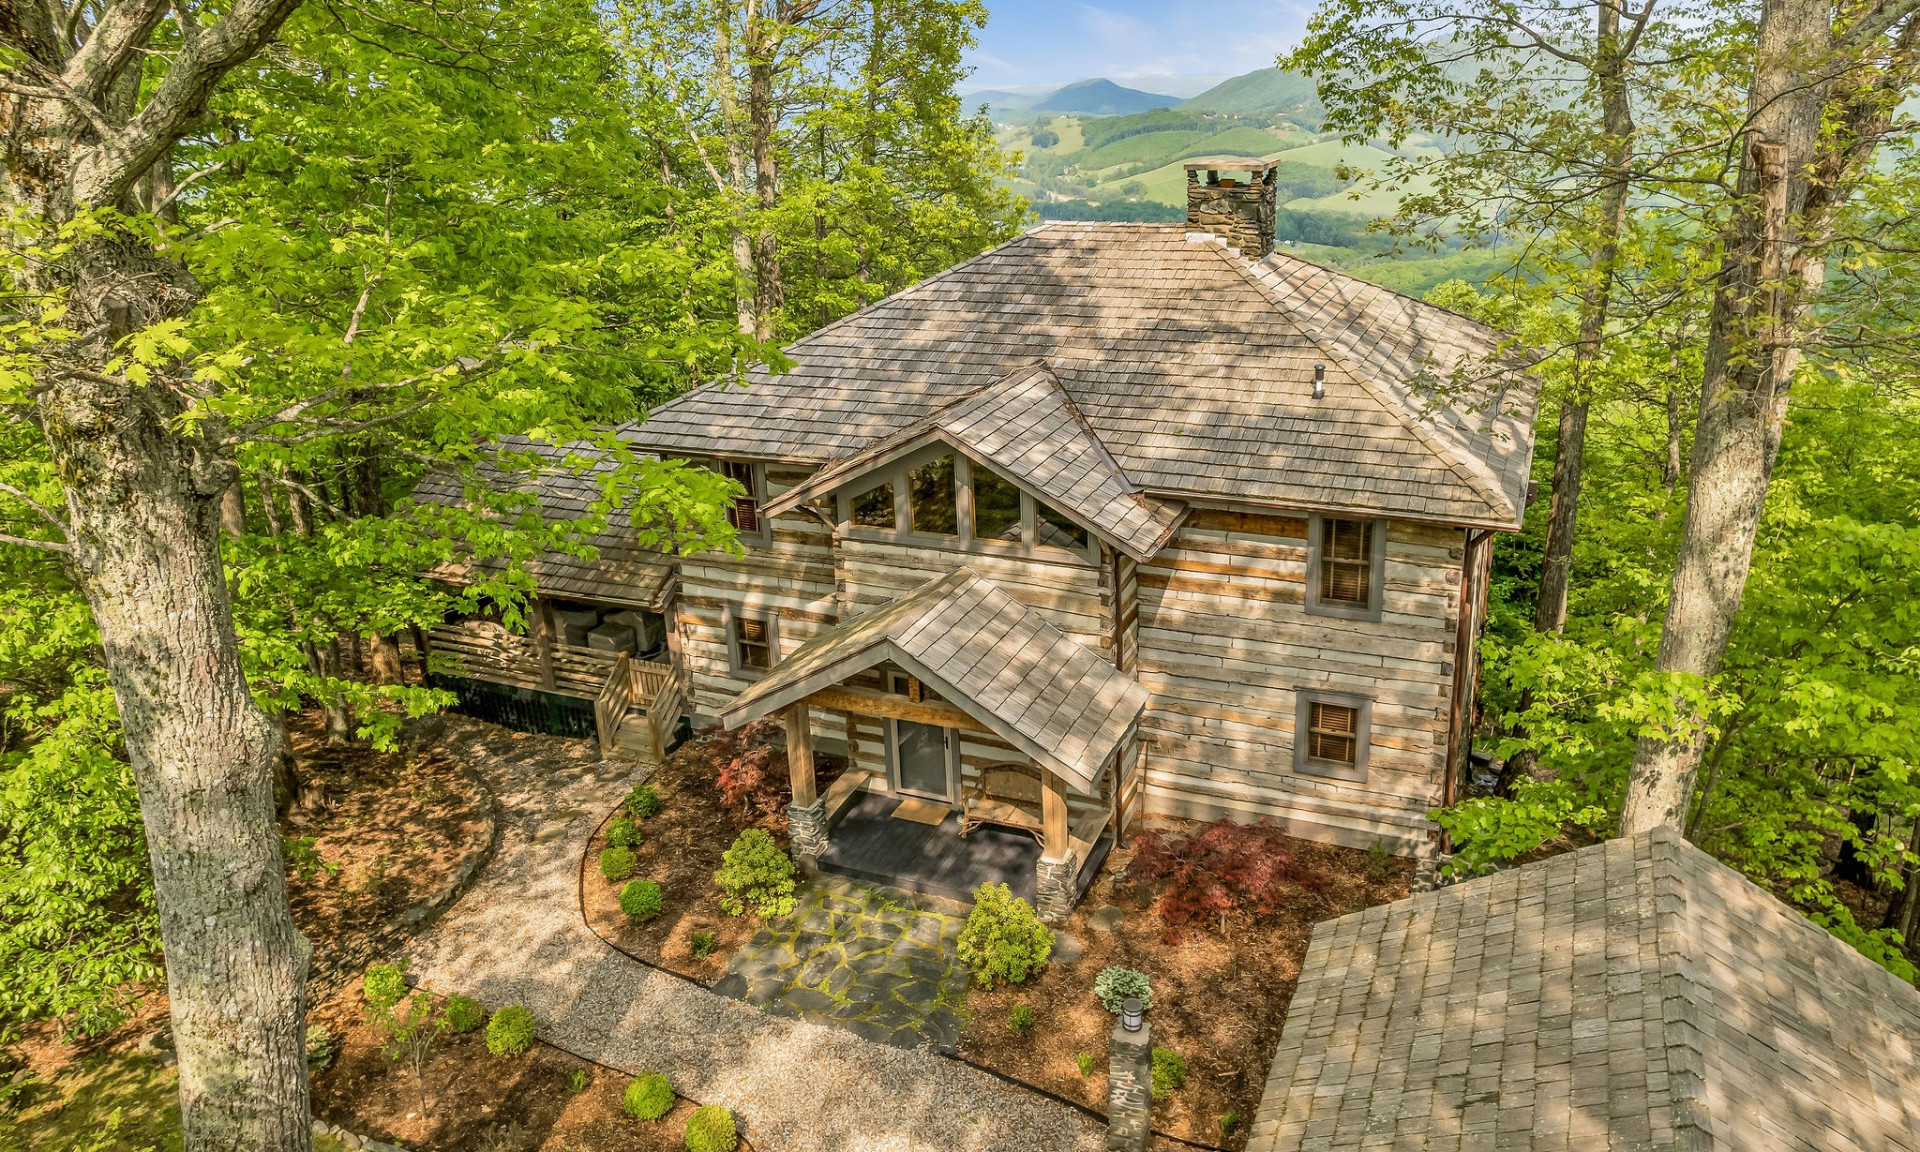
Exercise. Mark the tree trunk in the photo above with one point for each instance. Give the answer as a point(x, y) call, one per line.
point(233, 506)
point(763, 45)
point(1766, 280)
point(203, 754)
point(339, 720)
point(731, 130)
point(384, 650)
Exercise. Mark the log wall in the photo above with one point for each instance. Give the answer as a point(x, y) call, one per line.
point(1226, 644)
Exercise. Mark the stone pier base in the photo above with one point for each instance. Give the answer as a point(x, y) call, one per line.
point(807, 830)
point(1053, 888)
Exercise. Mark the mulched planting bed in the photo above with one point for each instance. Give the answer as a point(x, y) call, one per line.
point(681, 846)
point(1219, 998)
point(394, 830)
point(472, 1095)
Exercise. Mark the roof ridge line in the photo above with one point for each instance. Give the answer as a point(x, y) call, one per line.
point(1680, 999)
point(1447, 452)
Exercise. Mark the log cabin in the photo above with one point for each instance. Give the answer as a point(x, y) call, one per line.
point(1113, 523)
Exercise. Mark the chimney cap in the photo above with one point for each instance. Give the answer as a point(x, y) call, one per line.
point(1229, 164)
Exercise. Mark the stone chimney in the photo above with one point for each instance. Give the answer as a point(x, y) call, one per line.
point(1233, 198)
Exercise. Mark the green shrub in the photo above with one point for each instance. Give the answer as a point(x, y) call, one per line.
point(616, 864)
point(755, 875)
point(1114, 985)
point(1020, 1019)
point(641, 900)
point(464, 1014)
point(1003, 938)
point(1085, 1061)
point(384, 985)
point(510, 1032)
point(703, 944)
point(577, 1080)
point(649, 1096)
point(643, 803)
point(621, 833)
point(711, 1129)
point(319, 1046)
point(1169, 1071)
point(1229, 1124)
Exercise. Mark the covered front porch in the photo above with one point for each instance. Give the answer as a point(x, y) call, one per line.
point(1004, 746)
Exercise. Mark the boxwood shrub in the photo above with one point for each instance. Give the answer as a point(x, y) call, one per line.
point(616, 864)
point(755, 876)
point(641, 900)
point(621, 833)
point(464, 1014)
point(649, 1096)
point(1003, 938)
point(711, 1129)
point(643, 803)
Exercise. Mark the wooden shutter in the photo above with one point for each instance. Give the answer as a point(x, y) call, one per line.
point(744, 515)
point(1333, 732)
point(1346, 561)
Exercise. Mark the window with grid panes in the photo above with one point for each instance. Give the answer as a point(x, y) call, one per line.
point(1333, 732)
point(744, 512)
point(1346, 561)
point(752, 643)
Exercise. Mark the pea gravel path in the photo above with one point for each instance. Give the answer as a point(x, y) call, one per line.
point(519, 937)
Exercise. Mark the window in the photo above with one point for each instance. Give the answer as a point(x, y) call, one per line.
point(930, 499)
point(1332, 736)
point(1347, 566)
point(1346, 561)
point(753, 642)
point(1054, 529)
point(996, 507)
point(744, 512)
point(874, 507)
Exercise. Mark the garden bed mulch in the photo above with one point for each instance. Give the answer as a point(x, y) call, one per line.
point(680, 848)
point(398, 832)
point(1219, 998)
point(472, 1097)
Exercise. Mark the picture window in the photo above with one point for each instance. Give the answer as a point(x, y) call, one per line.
point(1054, 529)
point(930, 499)
point(996, 507)
point(874, 507)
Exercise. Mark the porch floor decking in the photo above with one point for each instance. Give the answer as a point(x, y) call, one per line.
point(869, 843)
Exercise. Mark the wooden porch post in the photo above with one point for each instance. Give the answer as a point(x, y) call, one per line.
point(800, 755)
point(1057, 871)
point(544, 632)
point(807, 815)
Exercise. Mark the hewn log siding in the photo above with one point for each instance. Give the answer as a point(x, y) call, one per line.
point(1226, 645)
point(1071, 596)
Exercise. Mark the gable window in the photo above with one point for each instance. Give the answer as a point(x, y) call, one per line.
point(1331, 736)
point(930, 499)
point(751, 641)
point(1054, 529)
point(874, 507)
point(996, 507)
point(1346, 567)
point(744, 512)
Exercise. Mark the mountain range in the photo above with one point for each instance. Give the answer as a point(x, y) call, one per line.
point(1267, 91)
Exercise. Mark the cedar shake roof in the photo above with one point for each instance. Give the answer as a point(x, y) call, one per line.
point(1191, 366)
point(1026, 427)
point(624, 573)
point(1634, 994)
point(1045, 693)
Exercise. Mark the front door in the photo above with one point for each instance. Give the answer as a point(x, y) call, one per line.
point(920, 759)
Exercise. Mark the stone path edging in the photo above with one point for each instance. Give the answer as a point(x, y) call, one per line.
point(519, 937)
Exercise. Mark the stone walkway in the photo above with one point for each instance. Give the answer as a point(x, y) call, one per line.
point(860, 959)
point(518, 938)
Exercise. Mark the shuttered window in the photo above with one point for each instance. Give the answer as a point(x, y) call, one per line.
point(752, 643)
point(1333, 733)
point(1346, 562)
point(744, 512)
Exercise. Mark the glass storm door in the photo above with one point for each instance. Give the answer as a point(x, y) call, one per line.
point(920, 759)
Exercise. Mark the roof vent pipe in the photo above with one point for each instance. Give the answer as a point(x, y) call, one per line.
point(1319, 381)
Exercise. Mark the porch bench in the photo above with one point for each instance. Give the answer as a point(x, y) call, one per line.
point(1008, 795)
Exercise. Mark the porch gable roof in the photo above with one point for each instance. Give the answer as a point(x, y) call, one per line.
point(998, 661)
point(1025, 425)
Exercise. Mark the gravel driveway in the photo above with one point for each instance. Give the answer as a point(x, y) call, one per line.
point(518, 937)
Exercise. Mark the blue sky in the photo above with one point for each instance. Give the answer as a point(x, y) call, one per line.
point(1060, 41)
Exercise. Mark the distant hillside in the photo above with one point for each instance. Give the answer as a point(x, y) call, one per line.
point(1266, 92)
point(1102, 98)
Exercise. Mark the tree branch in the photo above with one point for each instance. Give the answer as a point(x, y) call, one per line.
point(43, 545)
point(30, 502)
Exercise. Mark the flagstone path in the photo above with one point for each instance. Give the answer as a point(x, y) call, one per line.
point(518, 937)
point(882, 964)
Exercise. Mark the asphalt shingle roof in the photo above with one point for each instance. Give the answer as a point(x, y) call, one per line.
point(1636, 994)
point(1193, 368)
